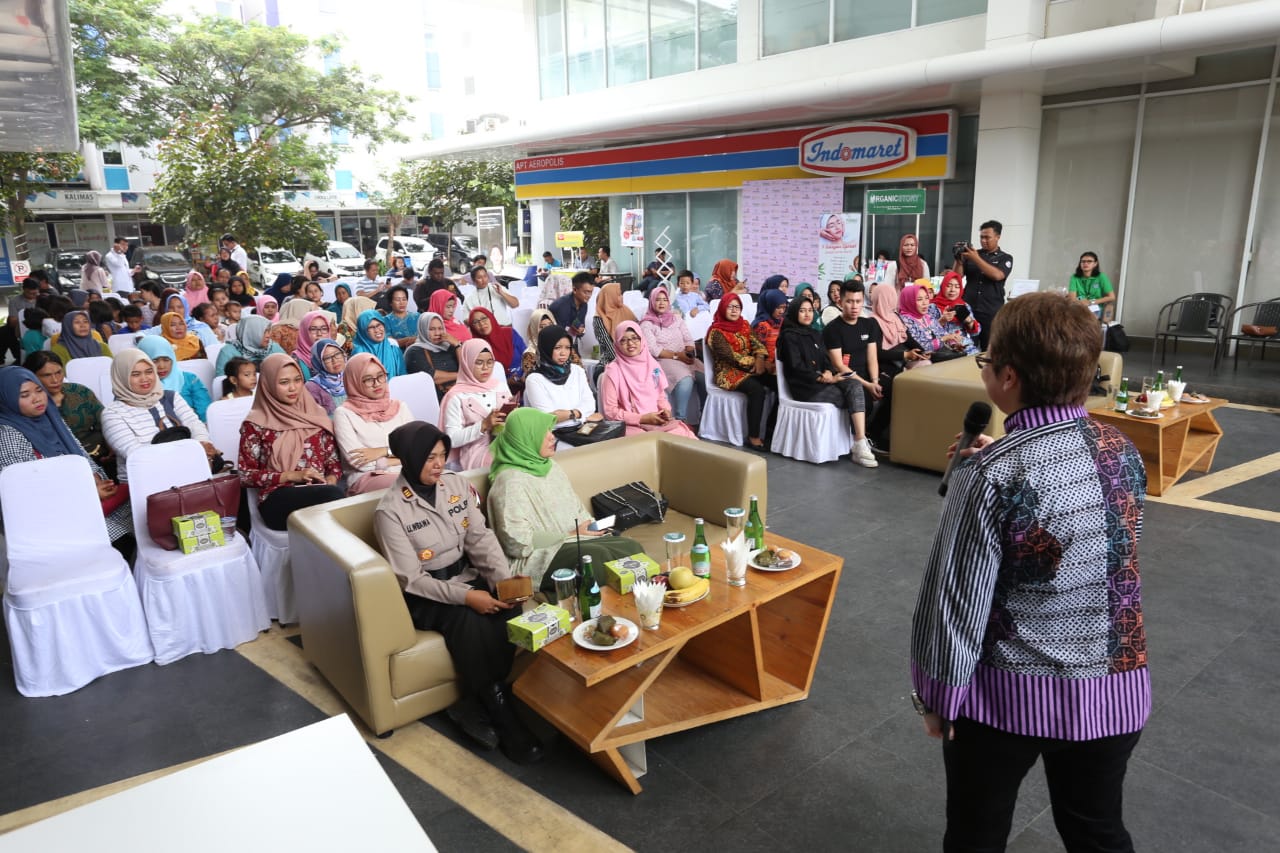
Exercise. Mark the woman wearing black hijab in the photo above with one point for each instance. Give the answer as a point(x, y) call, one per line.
point(557, 385)
point(431, 526)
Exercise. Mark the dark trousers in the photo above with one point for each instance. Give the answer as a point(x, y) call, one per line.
point(756, 388)
point(276, 507)
point(477, 642)
point(985, 320)
point(880, 412)
point(10, 342)
point(846, 395)
point(985, 766)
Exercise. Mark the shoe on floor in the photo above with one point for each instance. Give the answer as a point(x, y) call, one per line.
point(468, 715)
point(861, 454)
point(517, 742)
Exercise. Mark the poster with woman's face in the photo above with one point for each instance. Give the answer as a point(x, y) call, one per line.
point(838, 244)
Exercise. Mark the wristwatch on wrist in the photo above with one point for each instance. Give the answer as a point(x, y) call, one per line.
point(918, 703)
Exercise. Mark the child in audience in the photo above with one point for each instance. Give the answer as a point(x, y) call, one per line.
point(34, 337)
point(131, 316)
point(240, 378)
point(690, 301)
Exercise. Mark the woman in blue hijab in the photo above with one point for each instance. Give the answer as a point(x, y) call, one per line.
point(371, 337)
point(173, 378)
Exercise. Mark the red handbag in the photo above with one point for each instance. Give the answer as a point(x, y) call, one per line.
point(220, 494)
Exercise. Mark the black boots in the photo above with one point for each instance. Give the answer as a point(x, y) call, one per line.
point(518, 743)
point(467, 715)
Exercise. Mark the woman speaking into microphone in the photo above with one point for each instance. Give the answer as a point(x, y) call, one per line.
point(1028, 637)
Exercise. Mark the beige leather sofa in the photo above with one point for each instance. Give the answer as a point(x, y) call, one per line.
point(929, 405)
point(355, 626)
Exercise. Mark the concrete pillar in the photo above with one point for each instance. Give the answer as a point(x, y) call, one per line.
point(544, 222)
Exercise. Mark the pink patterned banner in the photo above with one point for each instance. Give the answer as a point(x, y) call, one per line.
point(780, 223)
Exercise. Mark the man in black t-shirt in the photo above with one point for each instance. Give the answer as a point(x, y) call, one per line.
point(985, 272)
point(852, 342)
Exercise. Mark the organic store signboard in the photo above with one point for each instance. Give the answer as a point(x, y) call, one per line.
point(903, 202)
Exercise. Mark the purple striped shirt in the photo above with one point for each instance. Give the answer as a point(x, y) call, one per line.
point(1029, 617)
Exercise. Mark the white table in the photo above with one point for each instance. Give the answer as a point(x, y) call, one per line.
point(318, 788)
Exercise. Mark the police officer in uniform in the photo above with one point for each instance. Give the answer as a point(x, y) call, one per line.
point(432, 531)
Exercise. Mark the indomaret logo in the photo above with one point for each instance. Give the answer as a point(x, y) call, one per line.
point(864, 148)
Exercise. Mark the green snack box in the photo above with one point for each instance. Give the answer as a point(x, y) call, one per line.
point(622, 574)
point(198, 531)
point(202, 541)
point(534, 628)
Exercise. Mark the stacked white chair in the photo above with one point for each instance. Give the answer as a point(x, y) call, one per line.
point(122, 341)
point(520, 322)
point(635, 300)
point(270, 547)
point(202, 368)
point(71, 606)
point(724, 414)
point(200, 602)
point(418, 392)
point(90, 372)
point(810, 432)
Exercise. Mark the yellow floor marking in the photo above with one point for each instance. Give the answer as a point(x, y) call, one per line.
point(512, 809)
point(1225, 478)
point(1244, 407)
point(1214, 506)
point(40, 811)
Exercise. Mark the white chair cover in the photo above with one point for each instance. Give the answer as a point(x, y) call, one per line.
point(724, 414)
point(224, 418)
point(271, 551)
point(635, 300)
point(520, 322)
point(700, 325)
point(70, 605)
point(202, 368)
point(199, 602)
point(418, 390)
point(810, 432)
point(89, 372)
point(528, 297)
point(212, 351)
point(122, 341)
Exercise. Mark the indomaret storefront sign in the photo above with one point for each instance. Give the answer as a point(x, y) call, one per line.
point(913, 147)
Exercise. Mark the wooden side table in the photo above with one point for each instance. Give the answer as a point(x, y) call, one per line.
point(1184, 438)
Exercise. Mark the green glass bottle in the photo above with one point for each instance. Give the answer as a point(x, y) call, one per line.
point(588, 591)
point(755, 526)
point(700, 559)
point(1159, 381)
point(1177, 376)
point(1122, 396)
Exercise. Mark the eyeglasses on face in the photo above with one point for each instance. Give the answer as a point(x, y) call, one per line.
point(629, 339)
point(374, 381)
point(317, 329)
point(984, 360)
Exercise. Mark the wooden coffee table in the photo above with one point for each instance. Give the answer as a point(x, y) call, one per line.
point(1184, 438)
point(738, 651)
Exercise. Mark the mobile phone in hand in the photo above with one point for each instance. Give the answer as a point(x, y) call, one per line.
point(602, 523)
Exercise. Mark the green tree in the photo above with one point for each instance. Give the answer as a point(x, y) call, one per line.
point(212, 184)
point(588, 215)
point(449, 191)
point(400, 199)
point(139, 72)
point(23, 175)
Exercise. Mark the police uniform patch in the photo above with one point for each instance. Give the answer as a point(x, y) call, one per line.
point(425, 554)
point(466, 522)
point(453, 499)
point(407, 492)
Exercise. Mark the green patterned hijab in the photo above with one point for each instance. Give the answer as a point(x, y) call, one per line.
point(520, 444)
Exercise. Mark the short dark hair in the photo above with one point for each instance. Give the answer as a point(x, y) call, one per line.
point(231, 369)
point(1052, 342)
point(547, 255)
point(204, 308)
point(131, 310)
point(479, 258)
point(435, 264)
point(100, 312)
point(40, 359)
point(39, 276)
point(853, 285)
point(120, 239)
point(1097, 266)
point(30, 283)
point(475, 270)
point(399, 287)
point(605, 249)
point(409, 273)
point(228, 237)
point(34, 317)
point(584, 277)
point(994, 225)
point(370, 263)
point(686, 274)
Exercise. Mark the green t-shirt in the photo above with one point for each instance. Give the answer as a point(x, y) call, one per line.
point(1093, 287)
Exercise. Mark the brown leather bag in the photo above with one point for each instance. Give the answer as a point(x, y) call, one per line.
point(220, 494)
point(1258, 331)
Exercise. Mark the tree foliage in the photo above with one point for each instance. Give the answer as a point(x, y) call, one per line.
point(138, 72)
point(212, 184)
point(588, 215)
point(400, 199)
point(23, 175)
point(449, 191)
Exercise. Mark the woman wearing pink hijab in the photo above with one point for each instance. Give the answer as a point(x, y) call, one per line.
point(634, 388)
point(195, 290)
point(314, 326)
point(473, 406)
point(363, 425)
point(267, 307)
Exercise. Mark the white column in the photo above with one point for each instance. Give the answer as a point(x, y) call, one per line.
point(544, 222)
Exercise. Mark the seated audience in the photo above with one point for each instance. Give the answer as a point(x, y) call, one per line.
point(953, 314)
point(79, 406)
point(669, 341)
point(326, 385)
point(185, 343)
point(853, 343)
point(491, 295)
point(143, 408)
point(267, 307)
point(771, 307)
point(33, 339)
point(314, 326)
point(473, 406)
point(341, 293)
point(434, 352)
point(507, 345)
point(402, 324)
point(78, 340)
point(371, 337)
point(445, 303)
point(239, 291)
point(251, 339)
point(571, 311)
point(433, 533)
point(724, 280)
point(206, 324)
point(287, 449)
point(610, 311)
point(363, 424)
point(634, 388)
point(173, 378)
point(240, 378)
point(350, 322)
point(555, 384)
point(195, 290)
point(805, 290)
point(934, 341)
point(689, 300)
point(738, 362)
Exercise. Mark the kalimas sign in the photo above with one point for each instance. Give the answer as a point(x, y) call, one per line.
point(860, 148)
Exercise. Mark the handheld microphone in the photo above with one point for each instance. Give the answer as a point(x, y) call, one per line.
point(975, 421)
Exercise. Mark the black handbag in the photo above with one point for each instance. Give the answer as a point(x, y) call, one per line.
point(600, 431)
point(630, 505)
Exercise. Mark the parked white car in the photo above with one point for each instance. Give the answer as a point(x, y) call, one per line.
point(267, 264)
point(416, 251)
point(341, 259)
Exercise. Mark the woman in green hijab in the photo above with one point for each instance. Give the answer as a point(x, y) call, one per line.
point(533, 508)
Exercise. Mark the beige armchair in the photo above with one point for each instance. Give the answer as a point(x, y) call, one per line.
point(355, 626)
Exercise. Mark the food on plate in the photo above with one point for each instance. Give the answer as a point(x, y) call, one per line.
point(681, 578)
point(698, 589)
point(1192, 397)
point(602, 631)
point(776, 558)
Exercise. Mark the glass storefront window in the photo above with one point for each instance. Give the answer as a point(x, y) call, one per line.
point(628, 34)
point(669, 211)
point(858, 18)
point(717, 32)
point(713, 230)
point(585, 48)
point(933, 11)
point(795, 24)
point(671, 37)
point(551, 70)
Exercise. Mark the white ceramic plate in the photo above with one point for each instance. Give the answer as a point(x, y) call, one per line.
point(582, 633)
point(666, 603)
point(1189, 400)
point(1146, 416)
point(751, 561)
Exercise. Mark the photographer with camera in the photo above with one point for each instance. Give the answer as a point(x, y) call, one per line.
point(985, 272)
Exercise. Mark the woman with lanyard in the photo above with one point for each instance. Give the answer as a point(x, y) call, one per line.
point(540, 521)
point(432, 530)
point(250, 341)
point(78, 340)
point(435, 352)
point(172, 378)
point(326, 385)
point(1090, 284)
point(473, 406)
point(556, 385)
point(634, 388)
point(363, 424)
point(287, 449)
point(32, 429)
point(371, 337)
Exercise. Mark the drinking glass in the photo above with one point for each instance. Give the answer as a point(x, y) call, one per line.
point(677, 556)
point(735, 519)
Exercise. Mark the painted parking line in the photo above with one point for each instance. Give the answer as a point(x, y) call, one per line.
point(1190, 494)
